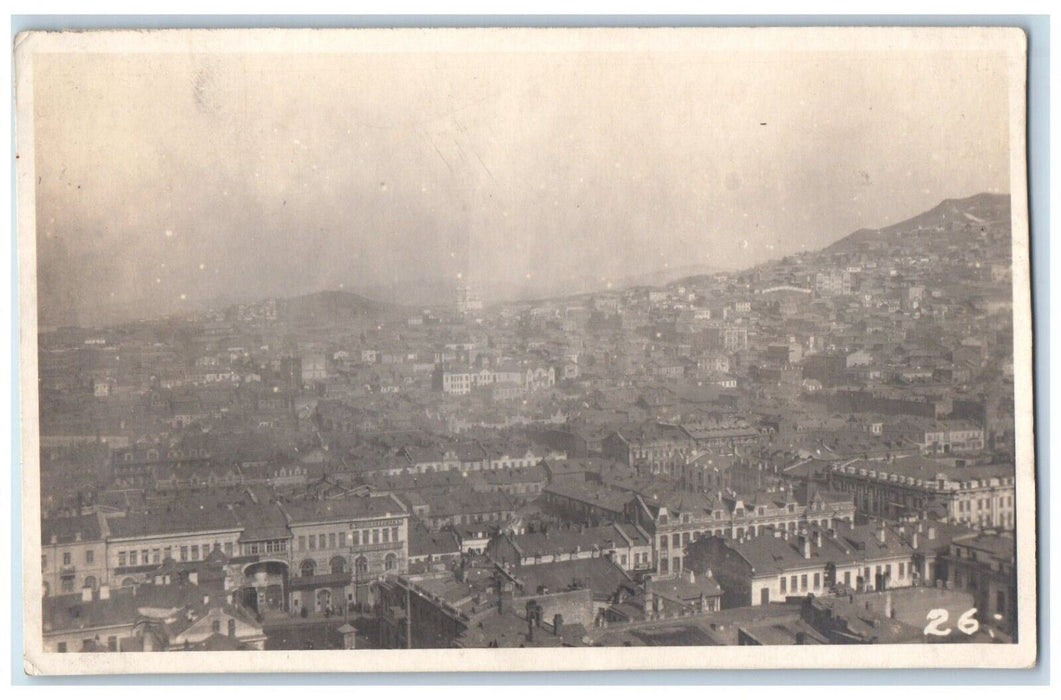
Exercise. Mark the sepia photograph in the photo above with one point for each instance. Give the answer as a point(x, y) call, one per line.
point(525, 349)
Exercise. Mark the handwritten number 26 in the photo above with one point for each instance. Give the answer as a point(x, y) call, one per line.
point(967, 623)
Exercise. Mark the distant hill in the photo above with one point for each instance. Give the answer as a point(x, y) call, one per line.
point(332, 306)
point(985, 212)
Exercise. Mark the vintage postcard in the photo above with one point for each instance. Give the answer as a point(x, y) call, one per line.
point(525, 349)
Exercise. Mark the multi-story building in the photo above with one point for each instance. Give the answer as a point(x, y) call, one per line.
point(833, 282)
point(953, 436)
point(138, 543)
point(777, 564)
point(338, 548)
point(651, 448)
point(73, 553)
point(979, 496)
point(626, 545)
point(986, 566)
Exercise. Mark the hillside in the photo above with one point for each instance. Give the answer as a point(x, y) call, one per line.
point(947, 222)
point(333, 306)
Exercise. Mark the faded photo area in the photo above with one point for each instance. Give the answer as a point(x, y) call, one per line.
point(550, 347)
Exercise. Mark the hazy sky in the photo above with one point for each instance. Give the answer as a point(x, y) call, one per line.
point(220, 175)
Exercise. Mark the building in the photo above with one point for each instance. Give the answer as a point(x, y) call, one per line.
point(777, 564)
point(985, 565)
point(149, 617)
point(73, 554)
point(979, 496)
point(833, 282)
point(339, 547)
point(624, 544)
point(138, 543)
point(953, 436)
point(650, 448)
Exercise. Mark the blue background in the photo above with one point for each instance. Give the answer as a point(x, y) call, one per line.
point(1037, 28)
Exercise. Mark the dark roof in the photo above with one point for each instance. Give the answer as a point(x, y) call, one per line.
point(67, 529)
point(345, 509)
point(598, 574)
point(173, 518)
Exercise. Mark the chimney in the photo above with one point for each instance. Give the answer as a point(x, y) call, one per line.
point(193, 577)
point(932, 533)
point(77, 536)
point(692, 576)
point(206, 600)
point(804, 544)
point(913, 540)
point(104, 592)
point(882, 535)
point(86, 594)
point(818, 539)
point(709, 574)
point(55, 539)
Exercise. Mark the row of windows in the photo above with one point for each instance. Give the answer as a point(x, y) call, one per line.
point(337, 565)
point(799, 583)
point(68, 558)
point(157, 555)
point(337, 540)
point(267, 547)
point(984, 503)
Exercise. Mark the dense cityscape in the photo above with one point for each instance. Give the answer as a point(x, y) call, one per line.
point(814, 450)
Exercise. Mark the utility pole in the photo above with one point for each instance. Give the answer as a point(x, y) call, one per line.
point(408, 617)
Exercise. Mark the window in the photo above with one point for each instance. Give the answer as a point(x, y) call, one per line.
point(394, 534)
point(375, 537)
point(228, 549)
point(144, 554)
point(67, 585)
point(132, 558)
point(847, 578)
point(167, 553)
point(902, 569)
point(195, 552)
point(302, 543)
point(391, 562)
point(386, 535)
point(231, 627)
point(184, 553)
point(216, 625)
point(361, 566)
point(784, 585)
point(331, 540)
point(794, 584)
point(342, 539)
point(66, 558)
point(312, 541)
point(308, 568)
point(817, 581)
point(156, 555)
point(90, 556)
